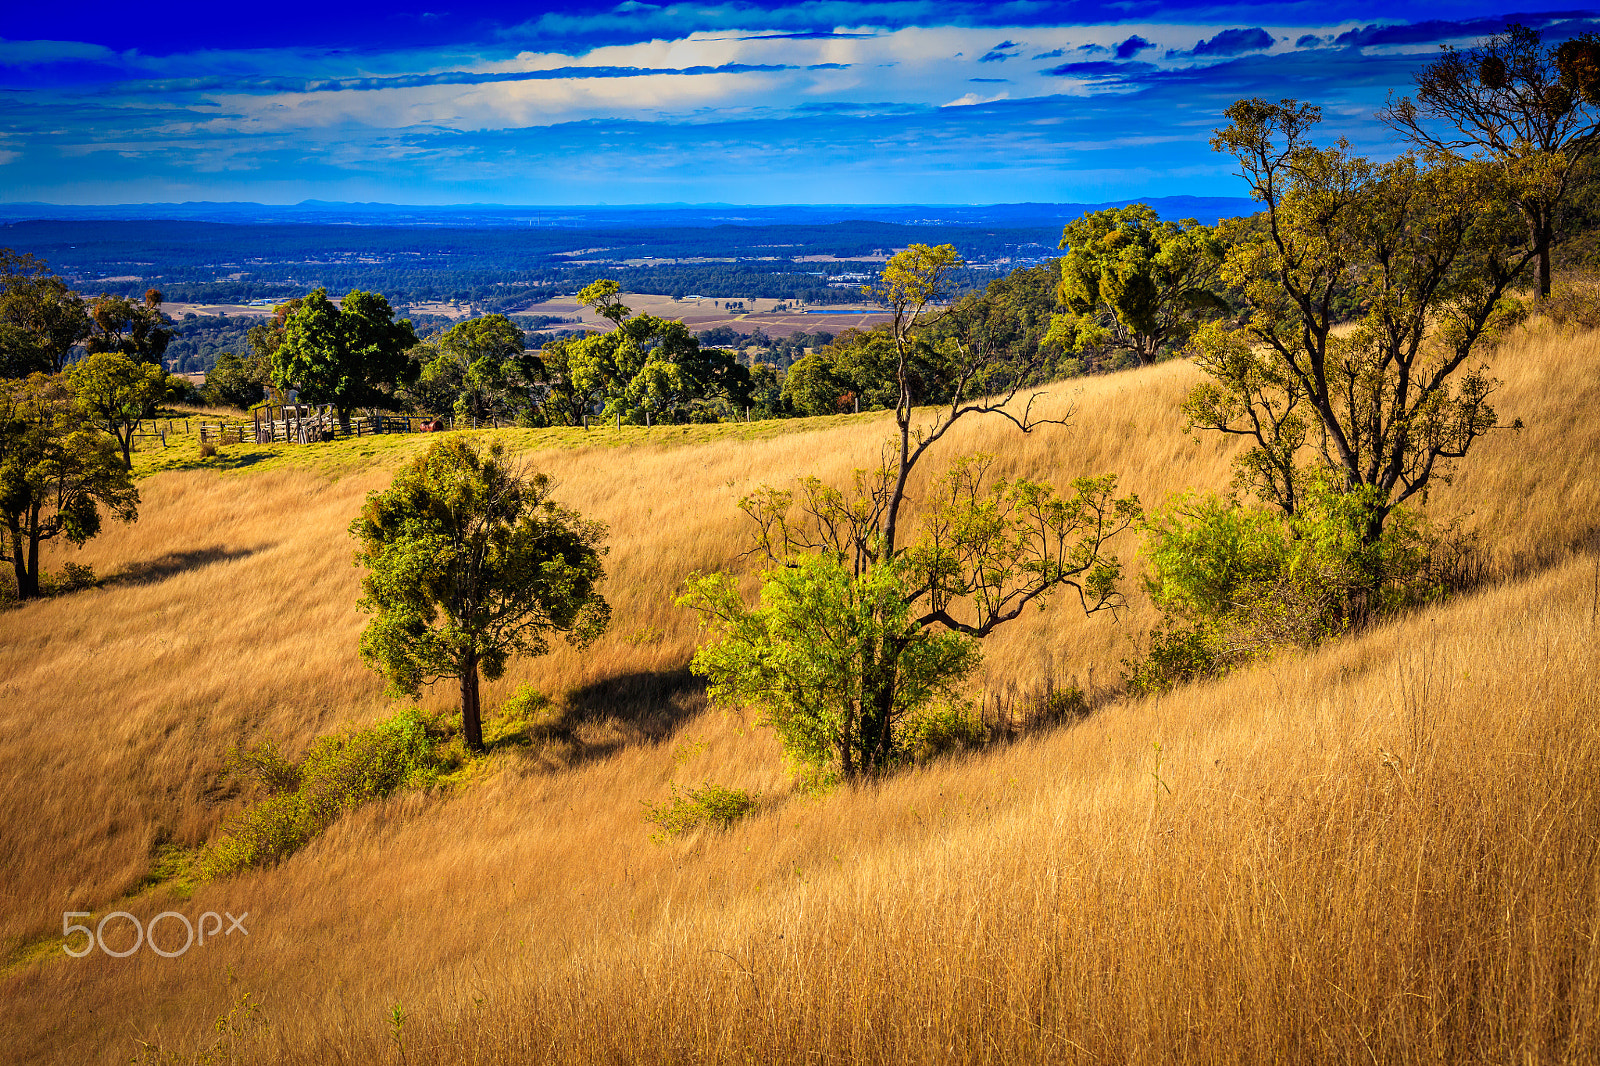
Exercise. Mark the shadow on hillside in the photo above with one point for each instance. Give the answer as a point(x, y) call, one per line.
point(606, 716)
point(150, 571)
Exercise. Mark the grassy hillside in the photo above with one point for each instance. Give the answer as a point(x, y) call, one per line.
point(1384, 850)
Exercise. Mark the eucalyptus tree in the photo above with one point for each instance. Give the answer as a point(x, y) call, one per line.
point(1531, 109)
point(1427, 249)
point(861, 625)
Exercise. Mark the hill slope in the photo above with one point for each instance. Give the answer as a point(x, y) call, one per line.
point(1385, 849)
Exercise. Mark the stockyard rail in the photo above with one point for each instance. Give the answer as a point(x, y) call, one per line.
point(302, 427)
point(304, 424)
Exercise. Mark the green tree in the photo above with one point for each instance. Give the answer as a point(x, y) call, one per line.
point(346, 355)
point(813, 387)
point(40, 318)
point(798, 656)
point(646, 368)
point(483, 359)
point(57, 474)
point(468, 563)
point(1533, 110)
point(116, 392)
point(986, 549)
point(1428, 252)
point(21, 352)
point(1133, 283)
point(602, 297)
point(237, 381)
point(136, 330)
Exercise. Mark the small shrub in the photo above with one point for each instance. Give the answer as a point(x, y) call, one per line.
point(1234, 583)
point(944, 731)
point(267, 765)
point(72, 577)
point(208, 450)
point(339, 773)
point(709, 805)
point(524, 717)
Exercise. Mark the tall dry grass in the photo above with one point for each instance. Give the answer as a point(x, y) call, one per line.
point(1294, 894)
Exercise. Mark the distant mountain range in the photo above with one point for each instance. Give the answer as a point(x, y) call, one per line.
point(501, 216)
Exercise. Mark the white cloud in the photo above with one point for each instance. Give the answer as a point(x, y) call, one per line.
point(970, 99)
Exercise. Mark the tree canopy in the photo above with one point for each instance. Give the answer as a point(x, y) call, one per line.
point(1427, 251)
point(115, 392)
point(1133, 283)
point(347, 355)
point(58, 473)
point(1531, 109)
point(40, 318)
point(136, 330)
point(891, 617)
point(469, 562)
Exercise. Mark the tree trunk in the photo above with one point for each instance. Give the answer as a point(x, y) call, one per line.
point(471, 721)
point(25, 591)
point(125, 438)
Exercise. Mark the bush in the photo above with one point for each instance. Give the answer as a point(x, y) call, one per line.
point(339, 773)
point(709, 805)
point(73, 577)
point(1235, 583)
point(943, 731)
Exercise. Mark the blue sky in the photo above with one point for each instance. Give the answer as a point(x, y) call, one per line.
point(906, 101)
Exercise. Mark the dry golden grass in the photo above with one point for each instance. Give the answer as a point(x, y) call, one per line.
point(1385, 851)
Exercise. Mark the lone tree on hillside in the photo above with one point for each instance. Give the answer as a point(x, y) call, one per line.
point(1131, 282)
point(468, 563)
point(1427, 252)
point(57, 474)
point(1532, 110)
point(40, 318)
point(860, 627)
point(342, 355)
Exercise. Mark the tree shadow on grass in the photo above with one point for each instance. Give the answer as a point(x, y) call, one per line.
point(605, 716)
point(150, 571)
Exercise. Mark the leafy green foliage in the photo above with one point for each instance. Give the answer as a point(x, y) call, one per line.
point(1135, 284)
point(1428, 250)
point(116, 392)
point(717, 806)
point(1530, 110)
point(40, 318)
point(478, 370)
point(814, 387)
point(469, 562)
point(646, 369)
point(346, 355)
point(338, 773)
point(237, 381)
point(136, 330)
point(842, 652)
point(58, 473)
point(1236, 582)
point(832, 660)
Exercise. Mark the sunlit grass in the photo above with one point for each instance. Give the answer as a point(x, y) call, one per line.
point(1381, 851)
